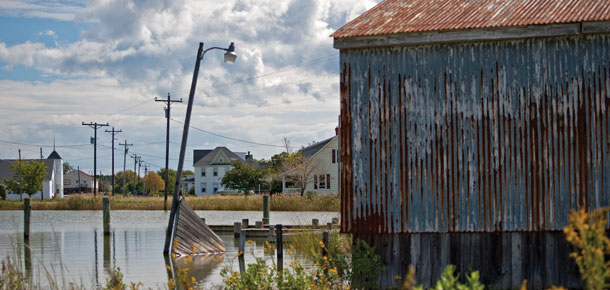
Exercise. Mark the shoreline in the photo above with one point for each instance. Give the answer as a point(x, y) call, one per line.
point(324, 203)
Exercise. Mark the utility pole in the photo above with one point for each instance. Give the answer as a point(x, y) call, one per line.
point(78, 172)
point(113, 132)
point(135, 173)
point(95, 126)
point(139, 167)
point(42, 193)
point(145, 172)
point(125, 163)
point(21, 177)
point(167, 116)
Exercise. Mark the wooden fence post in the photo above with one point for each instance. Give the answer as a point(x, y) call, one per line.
point(27, 211)
point(280, 248)
point(106, 215)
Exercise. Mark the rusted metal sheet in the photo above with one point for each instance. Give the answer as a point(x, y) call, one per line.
point(400, 16)
point(483, 136)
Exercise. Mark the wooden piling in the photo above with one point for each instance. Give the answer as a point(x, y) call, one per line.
point(335, 221)
point(315, 223)
point(106, 215)
point(271, 234)
point(329, 226)
point(27, 211)
point(242, 249)
point(265, 209)
point(245, 223)
point(236, 229)
point(259, 224)
point(280, 248)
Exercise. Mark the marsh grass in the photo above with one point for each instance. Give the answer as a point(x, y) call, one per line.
point(214, 202)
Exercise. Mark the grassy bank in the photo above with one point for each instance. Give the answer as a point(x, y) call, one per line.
point(215, 202)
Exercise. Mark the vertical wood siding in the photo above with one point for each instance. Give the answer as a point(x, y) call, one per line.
point(481, 136)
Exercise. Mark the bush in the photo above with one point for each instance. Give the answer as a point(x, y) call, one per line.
point(3, 191)
point(311, 194)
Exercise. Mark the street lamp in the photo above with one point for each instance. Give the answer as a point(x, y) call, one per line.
point(229, 57)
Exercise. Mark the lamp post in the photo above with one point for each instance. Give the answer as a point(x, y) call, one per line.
point(229, 57)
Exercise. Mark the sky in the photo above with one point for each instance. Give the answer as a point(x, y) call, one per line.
point(63, 63)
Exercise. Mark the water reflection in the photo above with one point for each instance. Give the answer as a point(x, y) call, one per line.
point(73, 248)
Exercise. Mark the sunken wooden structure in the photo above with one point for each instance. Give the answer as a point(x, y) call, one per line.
point(470, 129)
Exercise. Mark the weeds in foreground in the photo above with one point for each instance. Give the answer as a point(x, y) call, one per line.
point(587, 233)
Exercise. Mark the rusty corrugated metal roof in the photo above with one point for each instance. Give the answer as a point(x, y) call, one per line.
point(405, 16)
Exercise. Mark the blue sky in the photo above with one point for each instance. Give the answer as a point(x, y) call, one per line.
point(67, 62)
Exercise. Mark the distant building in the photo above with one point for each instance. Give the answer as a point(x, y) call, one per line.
point(74, 177)
point(52, 185)
point(326, 156)
point(187, 183)
point(210, 166)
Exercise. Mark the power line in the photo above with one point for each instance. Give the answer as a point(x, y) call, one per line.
point(40, 145)
point(230, 138)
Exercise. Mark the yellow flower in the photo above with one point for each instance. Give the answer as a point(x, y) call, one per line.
point(193, 280)
point(333, 270)
point(190, 259)
point(325, 258)
point(168, 268)
point(194, 251)
point(249, 241)
point(291, 247)
point(174, 256)
point(397, 277)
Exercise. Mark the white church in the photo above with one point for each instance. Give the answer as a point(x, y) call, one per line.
point(53, 184)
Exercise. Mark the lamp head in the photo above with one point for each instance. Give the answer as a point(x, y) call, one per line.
point(230, 55)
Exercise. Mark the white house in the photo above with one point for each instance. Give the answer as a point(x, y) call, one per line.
point(52, 185)
point(77, 181)
point(326, 154)
point(210, 166)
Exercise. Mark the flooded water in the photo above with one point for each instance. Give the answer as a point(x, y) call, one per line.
point(69, 246)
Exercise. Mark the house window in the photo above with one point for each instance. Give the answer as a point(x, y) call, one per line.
point(327, 181)
point(203, 187)
point(322, 181)
point(215, 187)
point(215, 171)
point(334, 155)
point(203, 172)
point(315, 182)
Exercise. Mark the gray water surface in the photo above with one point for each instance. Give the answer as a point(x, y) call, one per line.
point(69, 246)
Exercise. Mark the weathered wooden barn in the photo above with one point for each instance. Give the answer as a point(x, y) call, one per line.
point(470, 129)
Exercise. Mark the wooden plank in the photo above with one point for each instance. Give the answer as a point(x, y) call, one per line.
point(191, 232)
point(516, 259)
point(505, 274)
point(424, 249)
point(550, 274)
point(435, 257)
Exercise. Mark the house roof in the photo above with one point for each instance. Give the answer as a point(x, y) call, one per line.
point(406, 16)
point(198, 154)
point(311, 150)
point(75, 173)
point(54, 155)
point(210, 157)
point(5, 172)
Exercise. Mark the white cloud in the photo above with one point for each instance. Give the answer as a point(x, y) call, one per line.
point(138, 50)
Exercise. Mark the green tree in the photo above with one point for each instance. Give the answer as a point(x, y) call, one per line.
point(277, 162)
point(67, 167)
point(172, 179)
point(28, 177)
point(129, 178)
point(243, 176)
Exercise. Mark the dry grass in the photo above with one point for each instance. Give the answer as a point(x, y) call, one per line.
point(215, 202)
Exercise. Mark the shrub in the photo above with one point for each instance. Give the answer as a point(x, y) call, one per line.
point(3, 191)
point(587, 233)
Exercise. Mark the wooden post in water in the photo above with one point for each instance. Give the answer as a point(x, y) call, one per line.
point(315, 223)
point(27, 211)
point(259, 224)
point(245, 223)
point(265, 209)
point(325, 242)
point(106, 215)
point(242, 246)
point(236, 229)
point(280, 248)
